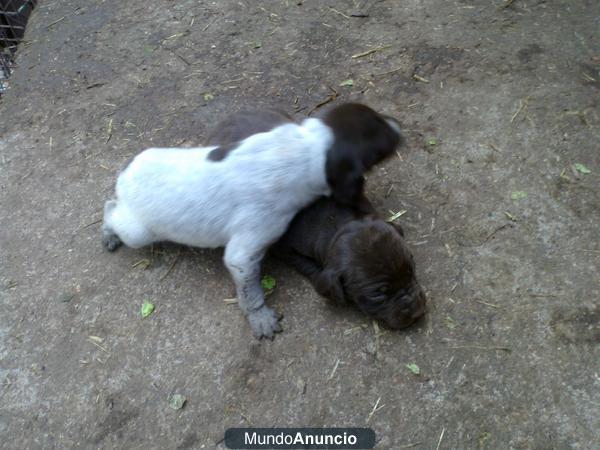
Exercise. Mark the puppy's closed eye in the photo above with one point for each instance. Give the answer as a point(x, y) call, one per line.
point(384, 289)
point(380, 294)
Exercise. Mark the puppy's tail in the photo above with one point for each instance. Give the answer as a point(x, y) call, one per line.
point(121, 225)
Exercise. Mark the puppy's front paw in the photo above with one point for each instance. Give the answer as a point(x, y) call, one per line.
point(264, 322)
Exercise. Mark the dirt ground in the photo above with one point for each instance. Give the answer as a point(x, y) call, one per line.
point(499, 101)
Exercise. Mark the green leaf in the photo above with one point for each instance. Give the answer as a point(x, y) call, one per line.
point(414, 368)
point(432, 141)
point(268, 282)
point(348, 82)
point(177, 402)
point(450, 323)
point(581, 168)
point(208, 97)
point(483, 438)
point(66, 297)
point(257, 44)
point(147, 309)
point(518, 195)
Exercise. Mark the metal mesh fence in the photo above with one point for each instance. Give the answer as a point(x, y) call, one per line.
point(13, 19)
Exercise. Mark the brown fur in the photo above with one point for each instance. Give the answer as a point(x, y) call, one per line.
point(362, 138)
point(222, 151)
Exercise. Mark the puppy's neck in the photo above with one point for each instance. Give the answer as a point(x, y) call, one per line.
point(318, 139)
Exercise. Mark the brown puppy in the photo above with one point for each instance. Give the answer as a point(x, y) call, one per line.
point(353, 256)
point(347, 253)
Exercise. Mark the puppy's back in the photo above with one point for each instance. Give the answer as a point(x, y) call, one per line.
point(311, 231)
point(240, 125)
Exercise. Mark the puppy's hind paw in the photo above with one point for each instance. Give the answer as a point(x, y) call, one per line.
point(264, 322)
point(111, 242)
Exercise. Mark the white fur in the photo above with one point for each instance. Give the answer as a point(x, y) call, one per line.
point(243, 202)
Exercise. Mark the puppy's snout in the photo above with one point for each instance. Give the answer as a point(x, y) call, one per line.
point(412, 313)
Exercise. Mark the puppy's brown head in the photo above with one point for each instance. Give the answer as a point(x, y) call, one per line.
point(362, 138)
point(370, 265)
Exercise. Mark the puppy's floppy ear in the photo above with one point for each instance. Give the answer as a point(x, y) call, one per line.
point(328, 283)
point(344, 175)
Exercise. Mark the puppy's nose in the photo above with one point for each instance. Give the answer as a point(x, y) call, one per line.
point(418, 312)
point(420, 307)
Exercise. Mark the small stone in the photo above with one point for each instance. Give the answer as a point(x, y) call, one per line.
point(301, 384)
point(177, 401)
point(371, 348)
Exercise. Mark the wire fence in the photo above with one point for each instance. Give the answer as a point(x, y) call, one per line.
point(13, 20)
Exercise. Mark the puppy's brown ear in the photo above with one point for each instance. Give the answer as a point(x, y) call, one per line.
point(328, 283)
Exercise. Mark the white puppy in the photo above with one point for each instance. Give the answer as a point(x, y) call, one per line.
point(242, 196)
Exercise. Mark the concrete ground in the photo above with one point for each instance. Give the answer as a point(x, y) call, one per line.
point(499, 101)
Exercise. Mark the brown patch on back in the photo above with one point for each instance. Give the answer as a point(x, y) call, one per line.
point(221, 152)
point(237, 127)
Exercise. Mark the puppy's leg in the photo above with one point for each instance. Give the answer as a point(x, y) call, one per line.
point(328, 283)
point(303, 264)
point(122, 226)
point(243, 259)
point(110, 240)
point(325, 281)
